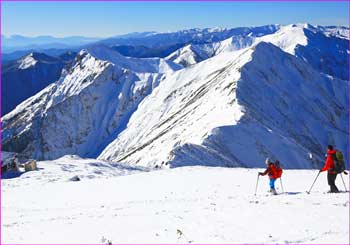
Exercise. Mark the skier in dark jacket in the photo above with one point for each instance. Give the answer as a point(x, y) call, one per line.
point(272, 173)
point(329, 166)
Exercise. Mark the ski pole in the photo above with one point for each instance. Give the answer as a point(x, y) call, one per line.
point(343, 182)
point(281, 185)
point(256, 187)
point(314, 182)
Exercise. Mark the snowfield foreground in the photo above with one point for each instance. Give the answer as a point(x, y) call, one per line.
point(181, 205)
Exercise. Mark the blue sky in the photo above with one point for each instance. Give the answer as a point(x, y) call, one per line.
point(104, 19)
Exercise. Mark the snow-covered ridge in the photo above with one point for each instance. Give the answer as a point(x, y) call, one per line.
point(149, 65)
point(237, 101)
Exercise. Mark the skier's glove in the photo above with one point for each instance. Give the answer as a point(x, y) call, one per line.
point(260, 173)
point(346, 173)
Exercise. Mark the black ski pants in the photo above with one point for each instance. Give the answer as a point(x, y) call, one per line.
point(331, 181)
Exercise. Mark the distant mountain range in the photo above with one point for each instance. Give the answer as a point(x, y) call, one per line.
point(18, 42)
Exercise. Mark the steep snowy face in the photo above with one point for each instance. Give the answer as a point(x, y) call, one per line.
point(324, 52)
point(291, 110)
point(80, 113)
point(329, 55)
point(182, 109)
point(195, 53)
point(238, 110)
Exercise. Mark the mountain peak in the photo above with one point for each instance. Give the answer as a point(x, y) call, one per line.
point(309, 26)
point(33, 58)
point(27, 61)
point(266, 48)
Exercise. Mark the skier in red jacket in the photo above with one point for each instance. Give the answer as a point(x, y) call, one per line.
point(272, 173)
point(329, 166)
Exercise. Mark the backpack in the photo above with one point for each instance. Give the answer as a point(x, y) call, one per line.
point(278, 169)
point(339, 164)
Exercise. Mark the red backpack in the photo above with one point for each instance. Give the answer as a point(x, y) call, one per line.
point(278, 169)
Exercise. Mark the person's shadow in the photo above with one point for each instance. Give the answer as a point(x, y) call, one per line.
point(15, 174)
point(11, 175)
point(292, 193)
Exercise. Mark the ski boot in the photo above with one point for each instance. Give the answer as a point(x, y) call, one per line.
point(273, 191)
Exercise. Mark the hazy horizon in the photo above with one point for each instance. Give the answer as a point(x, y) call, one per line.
point(148, 31)
point(108, 19)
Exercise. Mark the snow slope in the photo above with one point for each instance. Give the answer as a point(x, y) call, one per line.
point(86, 108)
point(236, 109)
point(63, 169)
point(182, 205)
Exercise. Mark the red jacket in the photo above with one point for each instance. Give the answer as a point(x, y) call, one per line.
point(271, 171)
point(329, 164)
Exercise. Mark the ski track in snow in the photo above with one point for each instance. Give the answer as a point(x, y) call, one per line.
point(206, 205)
